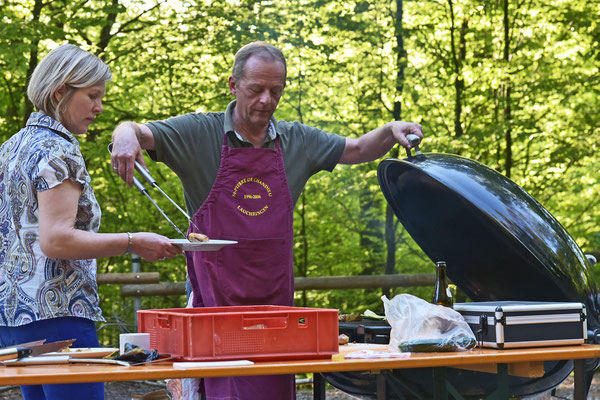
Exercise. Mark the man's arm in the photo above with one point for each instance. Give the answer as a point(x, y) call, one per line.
point(129, 139)
point(379, 141)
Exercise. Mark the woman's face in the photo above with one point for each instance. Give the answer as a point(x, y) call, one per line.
point(82, 108)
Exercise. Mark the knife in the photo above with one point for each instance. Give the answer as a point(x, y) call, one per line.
point(33, 350)
point(20, 350)
point(50, 347)
point(14, 352)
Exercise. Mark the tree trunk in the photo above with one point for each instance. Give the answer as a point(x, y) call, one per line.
point(303, 256)
point(390, 222)
point(33, 57)
point(458, 59)
point(507, 92)
point(303, 249)
point(105, 35)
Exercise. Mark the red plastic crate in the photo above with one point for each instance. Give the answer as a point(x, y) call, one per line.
point(256, 333)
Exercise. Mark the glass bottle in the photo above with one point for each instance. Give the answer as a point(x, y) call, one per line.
point(441, 293)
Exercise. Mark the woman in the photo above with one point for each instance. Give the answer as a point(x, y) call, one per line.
point(49, 218)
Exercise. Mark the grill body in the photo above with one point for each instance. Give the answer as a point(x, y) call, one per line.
point(499, 244)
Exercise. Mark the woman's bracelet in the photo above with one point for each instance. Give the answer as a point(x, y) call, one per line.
point(129, 243)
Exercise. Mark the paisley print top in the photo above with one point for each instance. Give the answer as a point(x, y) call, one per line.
point(32, 286)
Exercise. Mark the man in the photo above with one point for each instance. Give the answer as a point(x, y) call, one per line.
point(242, 172)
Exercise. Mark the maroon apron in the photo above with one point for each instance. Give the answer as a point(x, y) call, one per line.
point(249, 202)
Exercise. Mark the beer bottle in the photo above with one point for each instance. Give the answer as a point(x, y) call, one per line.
point(441, 293)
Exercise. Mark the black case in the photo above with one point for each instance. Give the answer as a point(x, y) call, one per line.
point(511, 324)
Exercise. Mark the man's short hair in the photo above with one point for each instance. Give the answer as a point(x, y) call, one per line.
point(66, 65)
point(263, 50)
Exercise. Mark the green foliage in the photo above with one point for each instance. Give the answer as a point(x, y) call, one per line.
point(517, 91)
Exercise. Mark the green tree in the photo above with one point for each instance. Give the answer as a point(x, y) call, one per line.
point(513, 85)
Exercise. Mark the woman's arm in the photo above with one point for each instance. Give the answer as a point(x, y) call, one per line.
point(60, 239)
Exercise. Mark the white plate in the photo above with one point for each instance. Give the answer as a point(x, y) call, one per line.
point(84, 352)
point(211, 245)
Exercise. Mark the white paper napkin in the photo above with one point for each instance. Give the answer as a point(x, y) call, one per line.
point(201, 364)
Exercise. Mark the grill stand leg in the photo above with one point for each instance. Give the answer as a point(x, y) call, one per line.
point(442, 387)
point(440, 391)
point(319, 390)
point(501, 393)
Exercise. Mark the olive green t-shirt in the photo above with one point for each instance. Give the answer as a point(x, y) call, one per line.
point(190, 145)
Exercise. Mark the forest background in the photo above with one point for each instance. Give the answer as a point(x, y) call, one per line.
point(511, 84)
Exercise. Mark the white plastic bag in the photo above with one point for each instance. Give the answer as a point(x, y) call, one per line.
point(421, 326)
point(183, 389)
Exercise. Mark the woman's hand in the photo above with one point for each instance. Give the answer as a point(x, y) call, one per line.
point(152, 247)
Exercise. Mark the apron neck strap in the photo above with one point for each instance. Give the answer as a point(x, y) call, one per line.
point(225, 140)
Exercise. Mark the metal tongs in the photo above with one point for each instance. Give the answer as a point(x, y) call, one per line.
point(139, 186)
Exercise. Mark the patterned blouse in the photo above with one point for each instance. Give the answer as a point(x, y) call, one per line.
point(32, 286)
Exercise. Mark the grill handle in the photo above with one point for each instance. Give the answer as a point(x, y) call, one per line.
point(414, 141)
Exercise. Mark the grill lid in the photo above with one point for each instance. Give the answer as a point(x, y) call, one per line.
point(498, 241)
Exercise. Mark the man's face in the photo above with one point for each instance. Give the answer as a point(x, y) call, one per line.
point(258, 91)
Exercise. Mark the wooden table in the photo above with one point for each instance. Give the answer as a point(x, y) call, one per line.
point(77, 373)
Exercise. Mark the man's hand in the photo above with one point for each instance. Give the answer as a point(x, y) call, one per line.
point(379, 141)
point(129, 138)
point(401, 129)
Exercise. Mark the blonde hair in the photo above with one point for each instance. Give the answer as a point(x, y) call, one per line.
point(66, 65)
point(262, 50)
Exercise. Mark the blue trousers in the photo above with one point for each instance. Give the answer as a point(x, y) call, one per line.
point(55, 329)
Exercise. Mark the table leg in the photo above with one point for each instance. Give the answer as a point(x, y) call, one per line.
point(381, 388)
point(319, 387)
point(503, 382)
point(579, 388)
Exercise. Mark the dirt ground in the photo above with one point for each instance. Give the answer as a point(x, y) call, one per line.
point(155, 390)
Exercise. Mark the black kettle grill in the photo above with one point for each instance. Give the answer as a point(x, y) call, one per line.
point(499, 243)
